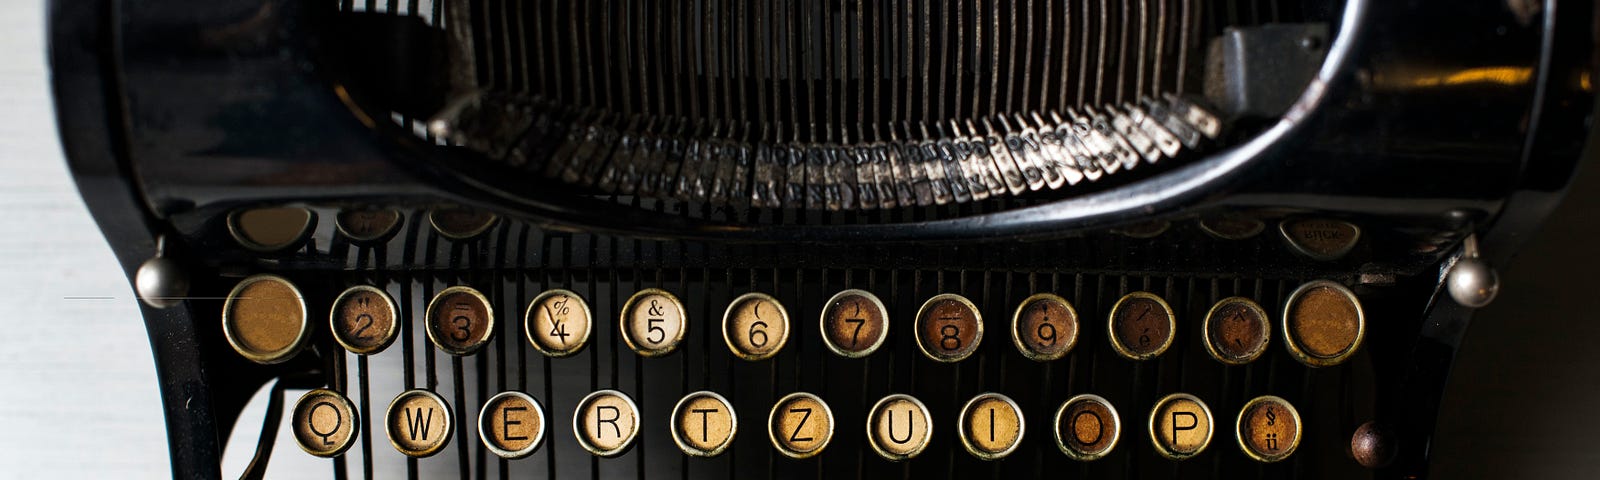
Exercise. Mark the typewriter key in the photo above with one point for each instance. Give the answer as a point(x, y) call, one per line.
point(1231, 226)
point(1142, 326)
point(898, 427)
point(325, 423)
point(460, 320)
point(1236, 331)
point(1268, 429)
point(461, 223)
point(991, 426)
point(1323, 323)
point(854, 323)
point(271, 229)
point(365, 226)
point(949, 328)
point(755, 327)
point(1087, 427)
point(1320, 239)
point(264, 319)
point(511, 424)
point(1143, 231)
point(606, 423)
point(1045, 327)
point(363, 320)
point(800, 425)
point(1180, 426)
point(653, 322)
point(419, 423)
point(703, 424)
point(558, 323)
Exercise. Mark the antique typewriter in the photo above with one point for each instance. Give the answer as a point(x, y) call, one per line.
point(817, 239)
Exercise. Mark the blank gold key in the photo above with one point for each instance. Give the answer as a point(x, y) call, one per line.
point(653, 322)
point(899, 427)
point(363, 320)
point(324, 423)
point(991, 426)
point(1180, 426)
point(460, 320)
point(264, 319)
point(606, 423)
point(1045, 327)
point(949, 328)
point(419, 423)
point(800, 425)
point(704, 424)
point(1142, 326)
point(755, 327)
point(511, 424)
point(854, 323)
point(1323, 323)
point(558, 323)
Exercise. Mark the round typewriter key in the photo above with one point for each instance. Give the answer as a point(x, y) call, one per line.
point(703, 424)
point(653, 322)
point(1180, 426)
point(755, 326)
point(558, 323)
point(898, 427)
point(1236, 331)
point(364, 226)
point(325, 423)
point(606, 422)
point(461, 223)
point(949, 328)
point(991, 426)
point(1045, 327)
point(271, 229)
point(1268, 429)
point(1323, 323)
point(419, 423)
point(264, 319)
point(363, 320)
point(854, 323)
point(511, 424)
point(800, 425)
point(1142, 326)
point(1320, 238)
point(1087, 427)
point(460, 320)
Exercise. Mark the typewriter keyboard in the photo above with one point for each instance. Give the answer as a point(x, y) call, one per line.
point(790, 372)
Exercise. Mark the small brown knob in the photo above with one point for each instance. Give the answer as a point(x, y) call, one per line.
point(1374, 445)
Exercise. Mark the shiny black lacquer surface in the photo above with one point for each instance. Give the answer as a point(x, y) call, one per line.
point(1429, 121)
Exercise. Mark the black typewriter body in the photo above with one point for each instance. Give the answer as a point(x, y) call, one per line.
point(1418, 135)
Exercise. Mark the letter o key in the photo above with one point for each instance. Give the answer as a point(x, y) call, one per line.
point(1087, 427)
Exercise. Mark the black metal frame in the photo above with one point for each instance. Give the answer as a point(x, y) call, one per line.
point(143, 90)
